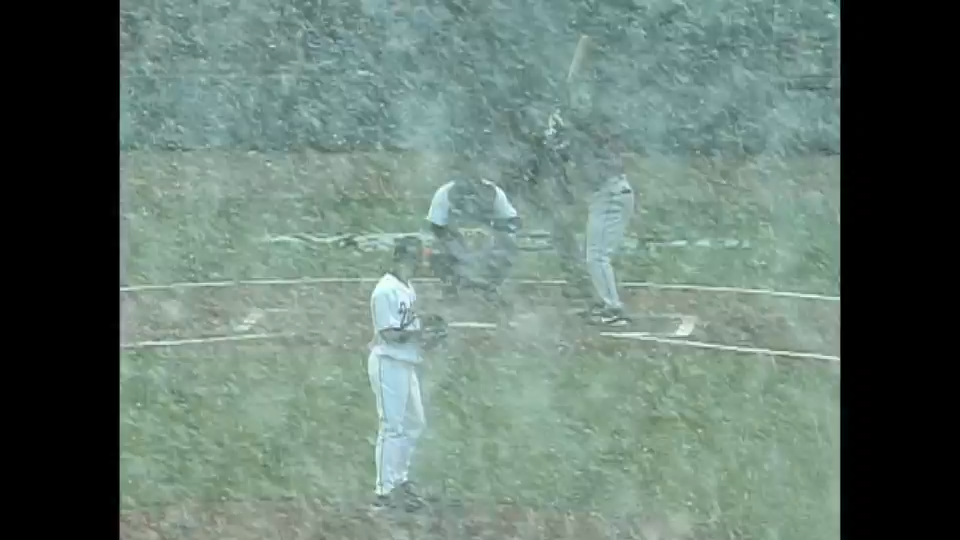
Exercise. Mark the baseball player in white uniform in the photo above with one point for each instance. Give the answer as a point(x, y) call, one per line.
point(398, 340)
point(472, 203)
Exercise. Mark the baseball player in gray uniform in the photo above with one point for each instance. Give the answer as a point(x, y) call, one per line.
point(610, 205)
point(600, 179)
point(546, 186)
point(398, 340)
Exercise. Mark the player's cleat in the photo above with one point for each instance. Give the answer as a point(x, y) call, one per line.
point(576, 288)
point(615, 318)
point(411, 500)
point(407, 488)
point(383, 502)
point(592, 311)
point(574, 294)
point(400, 499)
point(603, 315)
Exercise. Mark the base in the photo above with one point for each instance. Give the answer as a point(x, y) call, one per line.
point(654, 325)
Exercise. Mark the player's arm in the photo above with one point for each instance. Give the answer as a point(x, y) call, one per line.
point(439, 218)
point(442, 232)
point(505, 217)
point(395, 335)
point(556, 140)
point(530, 171)
point(439, 213)
point(388, 322)
point(538, 163)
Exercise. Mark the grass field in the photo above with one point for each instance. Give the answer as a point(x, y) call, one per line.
point(543, 431)
point(203, 215)
point(545, 417)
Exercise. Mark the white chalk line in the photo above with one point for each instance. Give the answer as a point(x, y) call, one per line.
point(641, 336)
point(198, 341)
point(685, 326)
point(685, 323)
point(471, 324)
point(549, 282)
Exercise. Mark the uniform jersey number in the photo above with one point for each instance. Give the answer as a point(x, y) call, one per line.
point(407, 316)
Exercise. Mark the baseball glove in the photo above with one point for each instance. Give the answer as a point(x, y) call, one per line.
point(555, 137)
point(434, 329)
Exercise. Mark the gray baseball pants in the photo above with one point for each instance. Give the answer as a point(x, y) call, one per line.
point(610, 210)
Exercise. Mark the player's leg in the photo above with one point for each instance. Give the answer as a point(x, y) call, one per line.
point(504, 253)
point(390, 380)
point(500, 259)
point(413, 425)
point(489, 268)
point(483, 270)
point(561, 207)
point(610, 211)
point(444, 262)
point(571, 257)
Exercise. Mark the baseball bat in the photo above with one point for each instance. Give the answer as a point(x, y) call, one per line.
point(579, 54)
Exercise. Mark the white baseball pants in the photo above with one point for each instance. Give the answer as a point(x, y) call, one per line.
point(400, 412)
point(610, 210)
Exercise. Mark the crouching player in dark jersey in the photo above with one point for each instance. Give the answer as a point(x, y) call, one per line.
point(478, 204)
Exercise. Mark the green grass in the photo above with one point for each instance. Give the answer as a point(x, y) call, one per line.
point(740, 445)
point(205, 218)
point(735, 443)
point(801, 253)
